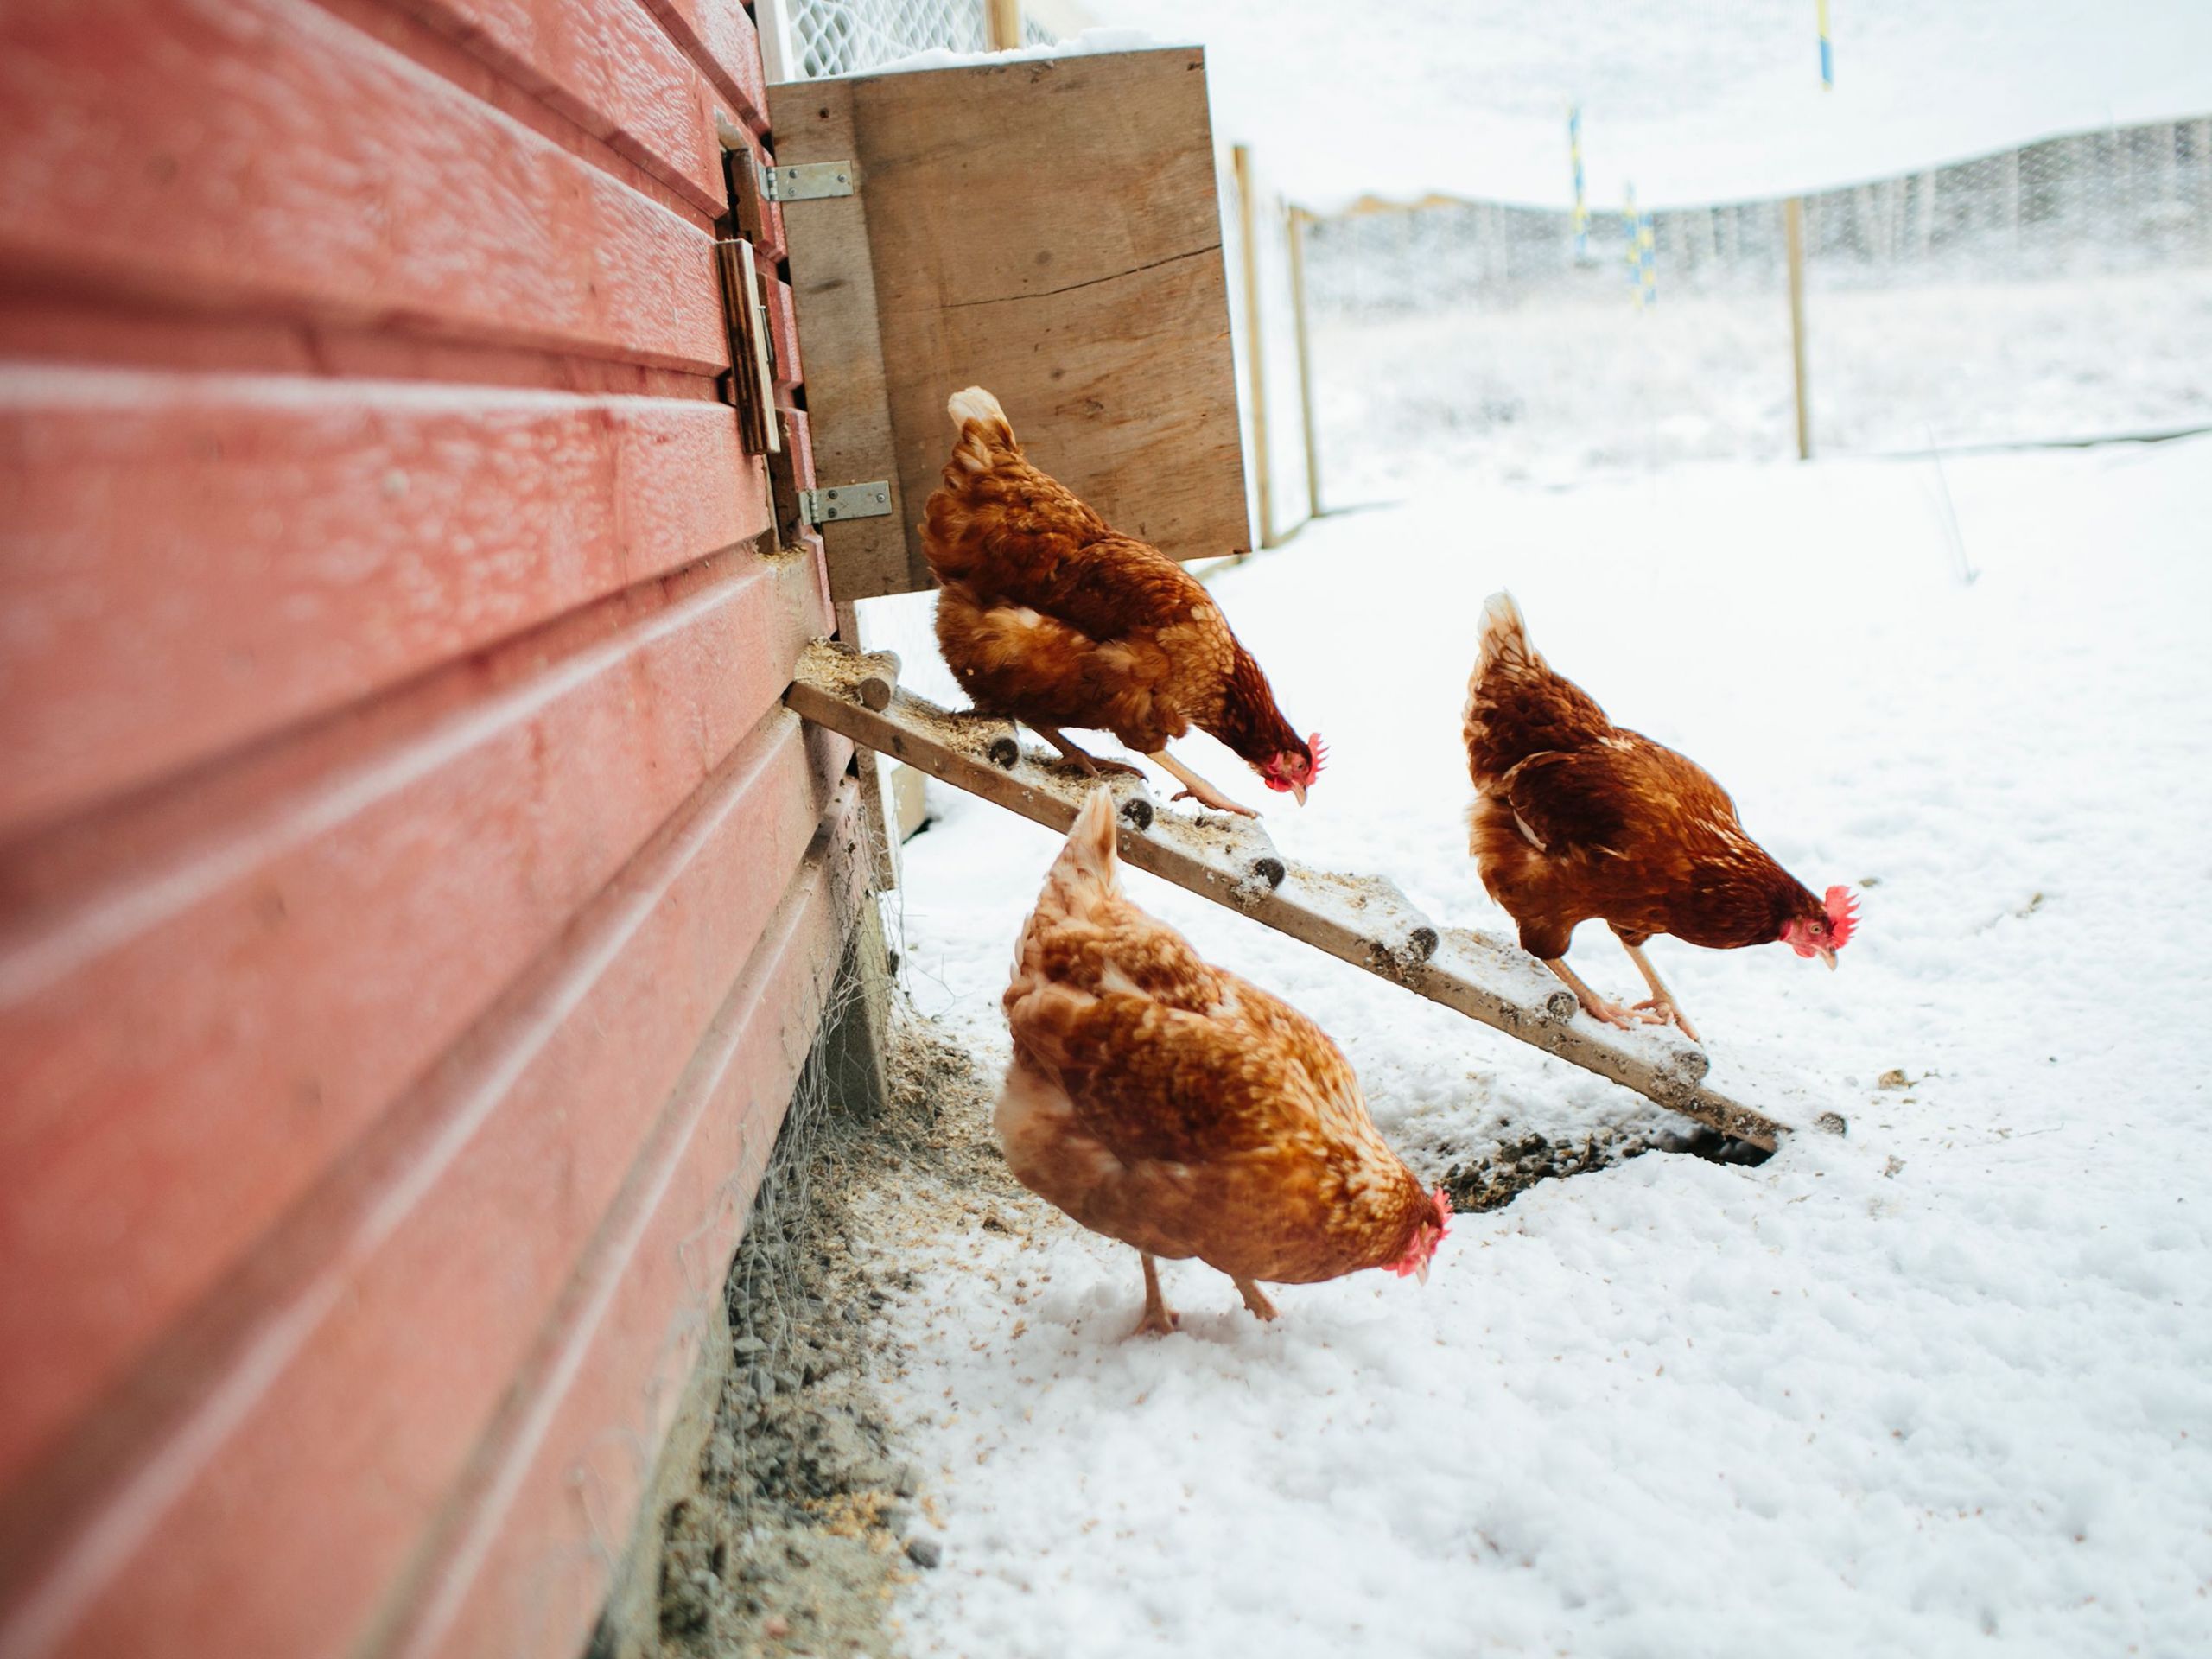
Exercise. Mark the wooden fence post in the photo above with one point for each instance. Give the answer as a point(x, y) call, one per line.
point(1300, 218)
point(1793, 232)
point(1002, 20)
point(1255, 354)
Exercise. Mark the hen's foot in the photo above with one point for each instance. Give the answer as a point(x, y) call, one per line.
point(1218, 803)
point(1661, 1011)
point(1196, 788)
point(1160, 1320)
point(1255, 1300)
point(1596, 1007)
point(1661, 1003)
point(1091, 764)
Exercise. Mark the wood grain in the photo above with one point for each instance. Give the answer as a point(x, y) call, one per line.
point(611, 68)
point(569, 1460)
point(430, 1259)
point(1082, 282)
point(719, 35)
point(832, 277)
point(1236, 866)
point(189, 561)
point(204, 999)
point(251, 121)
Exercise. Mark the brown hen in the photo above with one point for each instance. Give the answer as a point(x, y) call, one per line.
point(1576, 819)
point(1167, 1103)
point(1049, 617)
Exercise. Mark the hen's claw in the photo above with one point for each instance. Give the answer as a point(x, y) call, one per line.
point(1159, 1322)
point(1255, 1300)
point(1218, 803)
point(1662, 1012)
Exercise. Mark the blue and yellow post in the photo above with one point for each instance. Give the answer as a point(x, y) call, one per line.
point(1581, 202)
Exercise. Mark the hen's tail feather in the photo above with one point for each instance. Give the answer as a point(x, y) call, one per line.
point(986, 435)
point(1086, 873)
point(1502, 636)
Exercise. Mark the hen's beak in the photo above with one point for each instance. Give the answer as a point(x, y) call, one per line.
point(1421, 1273)
point(1296, 789)
point(1826, 956)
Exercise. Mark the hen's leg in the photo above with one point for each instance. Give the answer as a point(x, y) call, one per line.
point(1261, 1306)
point(1197, 787)
point(1662, 1003)
point(1593, 1004)
point(1090, 763)
point(1158, 1319)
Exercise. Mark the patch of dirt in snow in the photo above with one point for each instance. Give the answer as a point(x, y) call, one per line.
point(1495, 1181)
point(810, 1517)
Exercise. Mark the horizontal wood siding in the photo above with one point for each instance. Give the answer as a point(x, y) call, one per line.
point(263, 157)
point(415, 903)
point(352, 534)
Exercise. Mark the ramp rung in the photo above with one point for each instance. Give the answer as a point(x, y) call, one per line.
point(1364, 920)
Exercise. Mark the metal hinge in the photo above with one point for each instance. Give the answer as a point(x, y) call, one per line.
point(807, 180)
point(869, 500)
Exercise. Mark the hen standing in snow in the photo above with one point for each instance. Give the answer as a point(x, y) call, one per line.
point(1050, 617)
point(1578, 819)
point(1169, 1104)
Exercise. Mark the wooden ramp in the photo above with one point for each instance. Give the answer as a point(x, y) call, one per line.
point(1364, 920)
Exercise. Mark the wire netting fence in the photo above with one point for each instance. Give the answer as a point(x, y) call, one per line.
point(839, 37)
point(2061, 291)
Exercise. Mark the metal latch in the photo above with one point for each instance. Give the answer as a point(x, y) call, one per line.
point(869, 500)
point(807, 180)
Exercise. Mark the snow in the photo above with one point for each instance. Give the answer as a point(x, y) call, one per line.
point(1715, 102)
point(1942, 1385)
point(1576, 380)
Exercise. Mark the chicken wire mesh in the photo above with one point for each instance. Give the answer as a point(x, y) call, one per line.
point(2061, 291)
point(837, 37)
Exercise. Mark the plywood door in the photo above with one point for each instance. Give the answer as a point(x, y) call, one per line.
point(1050, 231)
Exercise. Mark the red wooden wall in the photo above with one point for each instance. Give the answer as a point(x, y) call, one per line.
point(415, 903)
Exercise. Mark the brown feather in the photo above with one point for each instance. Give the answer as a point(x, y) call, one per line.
point(1172, 1105)
point(1576, 819)
point(1049, 617)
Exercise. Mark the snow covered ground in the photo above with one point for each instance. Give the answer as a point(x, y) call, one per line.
point(1551, 390)
point(1835, 1404)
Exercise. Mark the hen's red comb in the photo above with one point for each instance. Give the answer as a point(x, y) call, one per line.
point(1319, 751)
point(1843, 915)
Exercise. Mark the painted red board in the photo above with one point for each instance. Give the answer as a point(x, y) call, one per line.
point(314, 1418)
point(206, 999)
point(721, 40)
point(521, 1568)
point(188, 561)
point(285, 163)
point(611, 68)
point(800, 437)
point(783, 329)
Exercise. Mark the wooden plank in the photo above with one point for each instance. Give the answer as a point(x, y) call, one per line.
point(346, 1369)
point(331, 179)
point(205, 998)
point(782, 331)
point(1092, 301)
point(1255, 350)
point(1793, 237)
point(1363, 920)
point(521, 1565)
point(719, 36)
point(848, 400)
point(189, 561)
point(612, 69)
